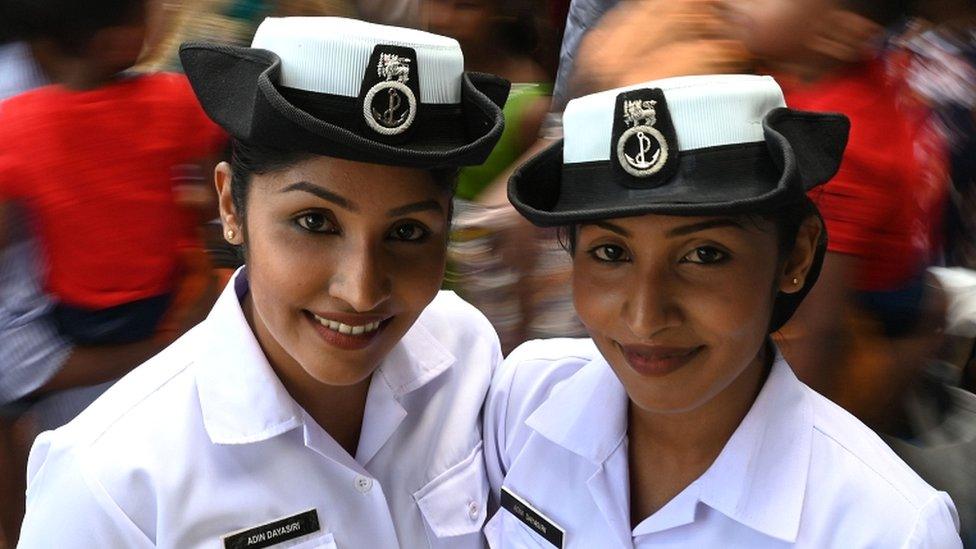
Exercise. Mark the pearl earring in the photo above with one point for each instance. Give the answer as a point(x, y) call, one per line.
point(231, 234)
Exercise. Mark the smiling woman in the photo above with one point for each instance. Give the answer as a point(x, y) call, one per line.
point(692, 241)
point(333, 396)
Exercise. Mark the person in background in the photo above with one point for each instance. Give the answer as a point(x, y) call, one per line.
point(880, 208)
point(46, 378)
point(505, 281)
point(112, 238)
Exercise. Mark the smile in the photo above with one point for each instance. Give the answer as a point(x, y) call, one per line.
point(655, 361)
point(343, 328)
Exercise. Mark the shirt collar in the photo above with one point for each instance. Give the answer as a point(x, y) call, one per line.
point(760, 477)
point(587, 413)
point(243, 400)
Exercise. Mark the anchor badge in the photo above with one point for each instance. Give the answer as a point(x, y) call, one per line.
point(391, 117)
point(641, 150)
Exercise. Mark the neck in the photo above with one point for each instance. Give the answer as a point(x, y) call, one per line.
point(74, 73)
point(670, 451)
point(339, 410)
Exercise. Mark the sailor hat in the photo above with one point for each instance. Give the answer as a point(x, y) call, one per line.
point(350, 89)
point(696, 145)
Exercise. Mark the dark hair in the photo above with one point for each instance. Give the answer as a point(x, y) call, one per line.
point(70, 24)
point(248, 159)
point(883, 12)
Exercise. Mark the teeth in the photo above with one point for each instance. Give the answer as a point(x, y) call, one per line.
point(346, 328)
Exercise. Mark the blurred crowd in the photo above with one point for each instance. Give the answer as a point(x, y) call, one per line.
point(108, 250)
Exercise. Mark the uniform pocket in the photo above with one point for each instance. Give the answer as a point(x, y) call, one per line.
point(454, 503)
point(504, 531)
point(322, 541)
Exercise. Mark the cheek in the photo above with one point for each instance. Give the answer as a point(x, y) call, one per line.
point(596, 295)
point(417, 274)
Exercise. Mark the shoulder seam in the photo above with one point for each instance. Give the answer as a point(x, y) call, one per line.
point(853, 454)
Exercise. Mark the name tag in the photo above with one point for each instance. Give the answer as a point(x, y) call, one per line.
point(273, 533)
point(531, 517)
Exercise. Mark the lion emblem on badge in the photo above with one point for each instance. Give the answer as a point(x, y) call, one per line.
point(392, 67)
point(640, 113)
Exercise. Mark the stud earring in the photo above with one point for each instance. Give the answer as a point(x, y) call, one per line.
point(231, 234)
point(796, 281)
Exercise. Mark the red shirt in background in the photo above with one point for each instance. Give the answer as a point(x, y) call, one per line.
point(94, 169)
point(881, 205)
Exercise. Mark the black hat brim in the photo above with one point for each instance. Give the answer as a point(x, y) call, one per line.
point(801, 150)
point(238, 88)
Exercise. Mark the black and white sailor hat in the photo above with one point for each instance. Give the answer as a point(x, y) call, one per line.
point(695, 145)
point(350, 89)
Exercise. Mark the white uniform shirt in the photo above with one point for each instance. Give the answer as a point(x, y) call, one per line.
point(798, 469)
point(204, 441)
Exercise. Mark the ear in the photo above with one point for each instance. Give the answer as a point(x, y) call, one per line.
point(847, 37)
point(793, 277)
point(232, 223)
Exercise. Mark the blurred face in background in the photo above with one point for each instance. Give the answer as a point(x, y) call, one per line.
point(467, 21)
point(775, 30)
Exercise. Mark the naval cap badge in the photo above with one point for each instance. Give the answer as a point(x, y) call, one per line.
point(642, 149)
point(390, 105)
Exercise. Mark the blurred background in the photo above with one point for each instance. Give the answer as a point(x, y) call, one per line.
point(110, 137)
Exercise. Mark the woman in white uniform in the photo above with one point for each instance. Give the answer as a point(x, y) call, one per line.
point(332, 398)
point(678, 424)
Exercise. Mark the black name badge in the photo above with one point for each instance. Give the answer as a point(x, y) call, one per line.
point(275, 532)
point(536, 521)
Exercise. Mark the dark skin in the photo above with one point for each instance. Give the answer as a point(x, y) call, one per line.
point(672, 304)
point(334, 239)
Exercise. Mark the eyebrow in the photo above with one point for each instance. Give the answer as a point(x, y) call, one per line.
point(322, 193)
point(423, 206)
point(704, 225)
point(610, 227)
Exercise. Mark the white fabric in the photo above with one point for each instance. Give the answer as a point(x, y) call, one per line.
point(798, 470)
point(707, 111)
point(203, 440)
point(330, 54)
point(960, 286)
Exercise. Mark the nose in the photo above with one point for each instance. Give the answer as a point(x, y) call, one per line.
point(651, 306)
point(361, 278)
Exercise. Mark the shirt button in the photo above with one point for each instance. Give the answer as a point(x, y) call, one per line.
point(473, 510)
point(364, 484)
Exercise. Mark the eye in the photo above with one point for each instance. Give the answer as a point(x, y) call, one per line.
point(609, 253)
point(409, 232)
point(314, 222)
point(705, 255)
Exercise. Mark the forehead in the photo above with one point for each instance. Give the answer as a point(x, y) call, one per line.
point(657, 224)
point(358, 181)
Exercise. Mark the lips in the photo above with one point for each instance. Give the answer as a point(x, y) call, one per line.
point(346, 331)
point(658, 361)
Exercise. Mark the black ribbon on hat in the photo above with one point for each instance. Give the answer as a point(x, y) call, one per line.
point(389, 97)
point(643, 145)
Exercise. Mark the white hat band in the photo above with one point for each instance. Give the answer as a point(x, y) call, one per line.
point(707, 111)
point(331, 54)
